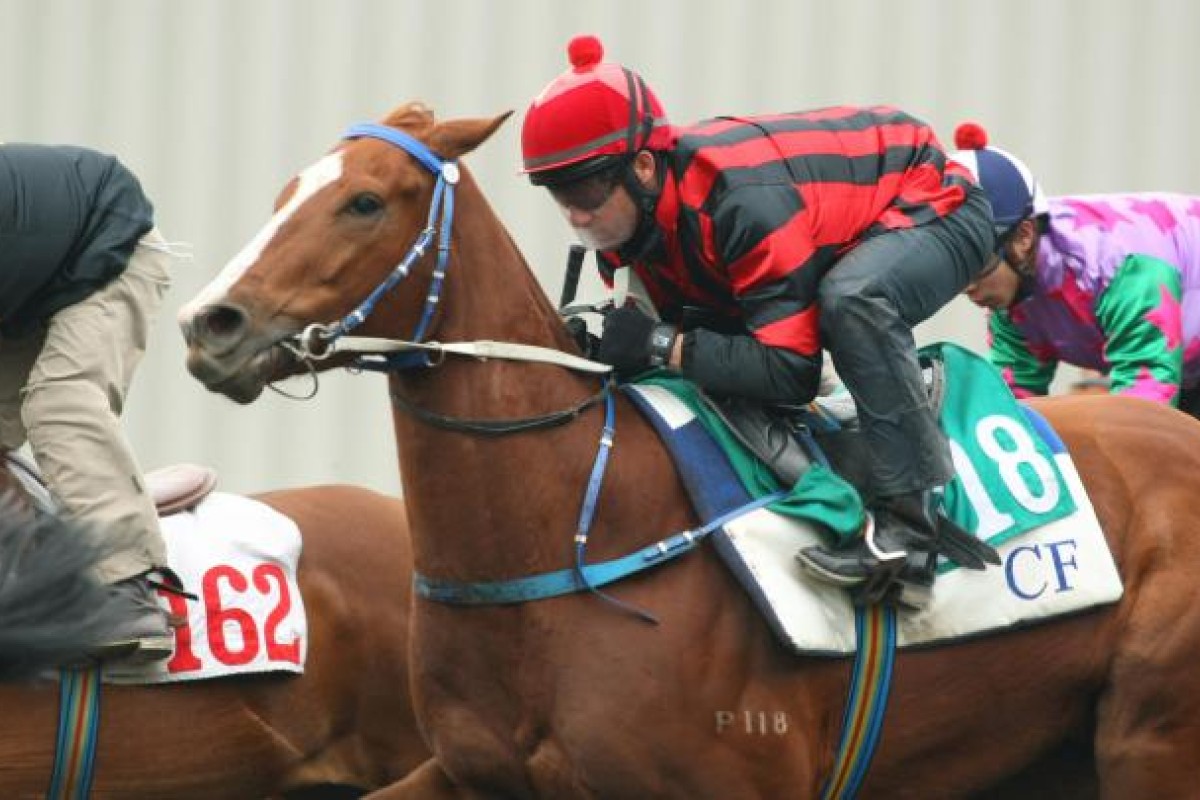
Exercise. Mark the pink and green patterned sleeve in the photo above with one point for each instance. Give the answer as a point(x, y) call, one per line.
point(1024, 372)
point(1140, 315)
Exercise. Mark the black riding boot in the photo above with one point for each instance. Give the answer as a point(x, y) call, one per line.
point(895, 560)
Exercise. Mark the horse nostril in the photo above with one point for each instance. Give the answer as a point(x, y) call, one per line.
point(220, 322)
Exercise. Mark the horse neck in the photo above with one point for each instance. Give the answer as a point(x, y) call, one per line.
point(466, 491)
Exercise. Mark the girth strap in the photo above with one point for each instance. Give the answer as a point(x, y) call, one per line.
point(866, 705)
point(78, 726)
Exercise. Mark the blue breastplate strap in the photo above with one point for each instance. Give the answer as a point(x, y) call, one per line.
point(567, 581)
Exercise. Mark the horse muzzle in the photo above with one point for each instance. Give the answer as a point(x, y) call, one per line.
point(229, 355)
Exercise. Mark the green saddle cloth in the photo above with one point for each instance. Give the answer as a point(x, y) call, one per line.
point(1007, 479)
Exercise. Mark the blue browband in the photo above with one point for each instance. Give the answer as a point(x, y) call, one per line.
point(411, 145)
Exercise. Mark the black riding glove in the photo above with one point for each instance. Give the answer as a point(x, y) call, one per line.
point(588, 342)
point(633, 341)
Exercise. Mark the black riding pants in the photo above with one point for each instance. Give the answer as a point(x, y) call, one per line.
point(870, 302)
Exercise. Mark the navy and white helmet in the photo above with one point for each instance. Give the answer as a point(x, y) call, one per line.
point(1009, 185)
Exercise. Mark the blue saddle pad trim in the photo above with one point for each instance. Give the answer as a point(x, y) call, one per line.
point(1044, 430)
point(712, 484)
point(714, 489)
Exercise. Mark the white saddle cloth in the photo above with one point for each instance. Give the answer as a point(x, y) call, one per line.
point(239, 557)
point(1060, 568)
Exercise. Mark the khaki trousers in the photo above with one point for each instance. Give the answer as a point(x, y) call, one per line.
point(63, 388)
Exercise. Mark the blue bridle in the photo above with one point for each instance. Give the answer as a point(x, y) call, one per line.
point(442, 205)
point(317, 337)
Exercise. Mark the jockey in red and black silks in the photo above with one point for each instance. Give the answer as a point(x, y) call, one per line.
point(753, 212)
point(837, 229)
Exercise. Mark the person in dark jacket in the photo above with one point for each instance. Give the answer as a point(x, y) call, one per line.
point(836, 229)
point(83, 272)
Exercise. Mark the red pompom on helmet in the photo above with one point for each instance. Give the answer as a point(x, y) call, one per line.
point(970, 136)
point(585, 51)
point(589, 116)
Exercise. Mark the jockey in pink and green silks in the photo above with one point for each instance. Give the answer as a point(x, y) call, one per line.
point(1105, 282)
point(1127, 324)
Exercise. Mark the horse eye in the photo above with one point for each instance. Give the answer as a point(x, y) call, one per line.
point(365, 204)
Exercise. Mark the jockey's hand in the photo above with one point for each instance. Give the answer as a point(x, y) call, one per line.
point(587, 342)
point(629, 341)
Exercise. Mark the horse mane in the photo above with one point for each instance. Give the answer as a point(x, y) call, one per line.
point(52, 608)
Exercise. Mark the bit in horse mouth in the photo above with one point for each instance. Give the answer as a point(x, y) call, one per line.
point(278, 358)
point(273, 363)
point(242, 381)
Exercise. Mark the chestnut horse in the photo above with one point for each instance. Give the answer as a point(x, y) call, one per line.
point(572, 698)
point(343, 727)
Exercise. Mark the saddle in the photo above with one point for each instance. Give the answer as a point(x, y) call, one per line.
point(180, 487)
point(788, 438)
point(785, 435)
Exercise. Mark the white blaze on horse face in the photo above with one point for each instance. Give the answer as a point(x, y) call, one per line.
point(311, 180)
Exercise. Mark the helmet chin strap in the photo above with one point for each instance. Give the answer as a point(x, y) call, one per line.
point(1027, 272)
point(1026, 283)
point(641, 122)
point(646, 234)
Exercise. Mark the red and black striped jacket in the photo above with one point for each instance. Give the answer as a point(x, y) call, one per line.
point(755, 210)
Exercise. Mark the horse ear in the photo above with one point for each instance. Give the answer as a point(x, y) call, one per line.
point(414, 116)
point(457, 137)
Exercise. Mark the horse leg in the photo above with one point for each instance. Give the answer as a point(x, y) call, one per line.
point(1148, 719)
point(426, 782)
point(1147, 749)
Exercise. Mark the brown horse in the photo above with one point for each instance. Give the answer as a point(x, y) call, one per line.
point(569, 698)
point(343, 727)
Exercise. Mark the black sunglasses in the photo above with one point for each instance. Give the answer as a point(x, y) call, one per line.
point(587, 194)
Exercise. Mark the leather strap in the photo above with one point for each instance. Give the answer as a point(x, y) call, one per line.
point(482, 349)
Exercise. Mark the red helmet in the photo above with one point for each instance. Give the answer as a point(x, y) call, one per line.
point(588, 116)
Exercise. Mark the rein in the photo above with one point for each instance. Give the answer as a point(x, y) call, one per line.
point(313, 346)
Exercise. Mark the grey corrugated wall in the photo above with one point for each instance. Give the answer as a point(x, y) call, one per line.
point(216, 103)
